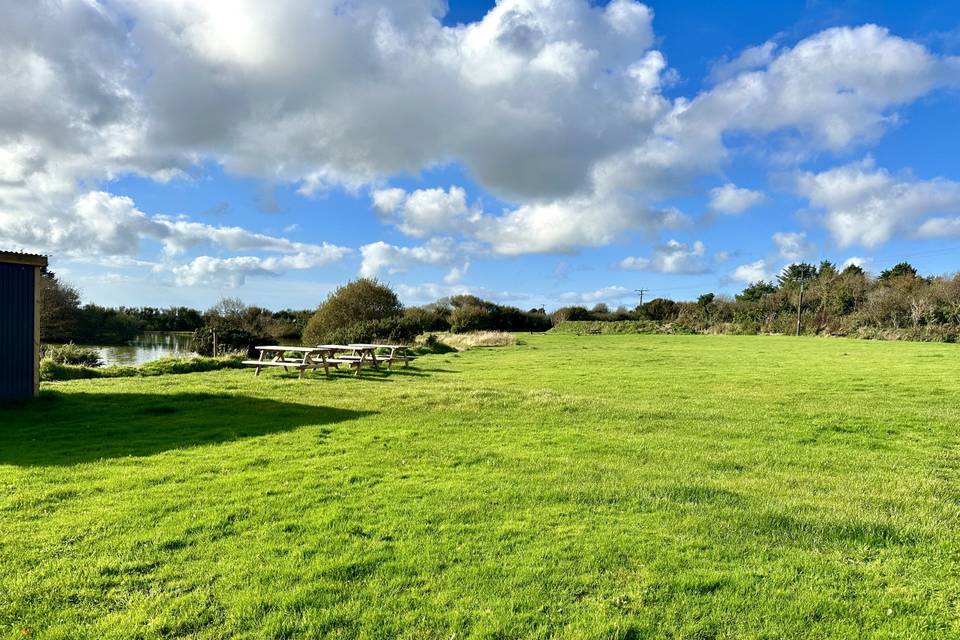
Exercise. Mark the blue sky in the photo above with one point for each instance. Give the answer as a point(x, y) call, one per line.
point(539, 153)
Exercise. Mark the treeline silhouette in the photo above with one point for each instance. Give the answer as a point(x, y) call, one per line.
point(899, 303)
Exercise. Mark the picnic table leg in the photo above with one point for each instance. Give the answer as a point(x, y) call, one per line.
point(373, 354)
point(303, 366)
point(363, 355)
point(260, 359)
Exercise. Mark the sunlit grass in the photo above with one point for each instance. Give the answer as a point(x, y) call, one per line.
point(597, 486)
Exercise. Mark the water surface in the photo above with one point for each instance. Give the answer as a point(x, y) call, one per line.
point(148, 346)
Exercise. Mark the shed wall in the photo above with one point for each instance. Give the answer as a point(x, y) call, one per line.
point(17, 326)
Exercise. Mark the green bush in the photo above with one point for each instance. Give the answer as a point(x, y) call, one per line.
point(395, 329)
point(71, 354)
point(470, 313)
point(355, 303)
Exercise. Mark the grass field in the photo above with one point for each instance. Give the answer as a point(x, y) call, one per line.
point(569, 487)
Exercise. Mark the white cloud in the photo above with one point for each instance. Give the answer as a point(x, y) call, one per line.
point(734, 200)
point(941, 227)
point(613, 294)
point(556, 107)
point(425, 211)
point(753, 272)
point(749, 59)
point(858, 261)
point(834, 89)
point(431, 292)
point(672, 257)
point(865, 205)
point(233, 272)
point(793, 246)
point(107, 227)
point(380, 256)
point(563, 225)
point(456, 274)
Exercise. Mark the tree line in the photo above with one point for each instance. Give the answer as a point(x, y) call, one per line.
point(816, 299)
point(821, 299)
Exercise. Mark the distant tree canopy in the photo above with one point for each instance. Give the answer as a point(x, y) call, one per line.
point(755, 291)
point(660, 310)
point(792, 275)
point(59, 308)
point(901, 270)
point(363, 300)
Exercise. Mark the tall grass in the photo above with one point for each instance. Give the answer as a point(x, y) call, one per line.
point(52, 371)
point(476, 339)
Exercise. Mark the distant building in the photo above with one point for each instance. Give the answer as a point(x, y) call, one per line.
point(19, 325)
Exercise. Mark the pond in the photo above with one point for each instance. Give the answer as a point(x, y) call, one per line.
point(148, 346)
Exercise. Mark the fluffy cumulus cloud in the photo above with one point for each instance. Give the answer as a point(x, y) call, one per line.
point(672, 257)
point(103, 228)
point(233, 272)
point(793, 246)
point(839, 87)
point(867, 205)
point(556, 107)
point(734, 200)
point(753, 272)
point(425, 211)
point(380, 257)
point(856, 261)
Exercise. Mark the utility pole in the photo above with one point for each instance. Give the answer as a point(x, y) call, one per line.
point(800, 306)
point(641, 292)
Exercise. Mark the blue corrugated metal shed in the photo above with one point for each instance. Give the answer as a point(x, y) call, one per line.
point(19, 324)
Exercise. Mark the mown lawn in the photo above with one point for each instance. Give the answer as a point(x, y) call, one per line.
point(570, 487)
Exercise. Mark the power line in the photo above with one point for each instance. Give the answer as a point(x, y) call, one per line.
point(641, 292)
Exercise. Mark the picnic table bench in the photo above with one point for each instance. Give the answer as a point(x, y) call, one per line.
point(325, 356)
point(398, 353)
point(304, 358)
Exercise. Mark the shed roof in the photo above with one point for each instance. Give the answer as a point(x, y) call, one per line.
point(23, 258)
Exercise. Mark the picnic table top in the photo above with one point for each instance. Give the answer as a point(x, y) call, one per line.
point(342, 347)
point(362, 345)
point(330, 347)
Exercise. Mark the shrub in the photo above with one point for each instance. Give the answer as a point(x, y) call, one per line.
point(661, 310)
point(429, 343)
point(396, 329)
point(473, 314)
point(72, 354)
point(563, 314)
point(469, 318)
point(356, 302)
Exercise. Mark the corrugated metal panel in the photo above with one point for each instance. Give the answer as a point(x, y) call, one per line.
point(16, 331)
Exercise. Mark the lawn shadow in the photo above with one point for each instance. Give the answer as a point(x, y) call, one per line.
point(369, 374)
point(70, 428)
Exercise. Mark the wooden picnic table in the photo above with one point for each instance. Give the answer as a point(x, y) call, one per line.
point(396, 352)
point(325, 356)
point(304, 358)
point(367, 353)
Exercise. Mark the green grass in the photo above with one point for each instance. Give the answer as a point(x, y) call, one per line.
point(592, 487)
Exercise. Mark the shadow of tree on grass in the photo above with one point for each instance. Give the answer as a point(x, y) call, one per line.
point(70, 428)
